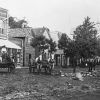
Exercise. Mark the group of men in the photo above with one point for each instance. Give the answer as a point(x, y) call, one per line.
point(89, 63)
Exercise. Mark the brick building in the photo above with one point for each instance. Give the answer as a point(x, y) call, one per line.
point(22, 37)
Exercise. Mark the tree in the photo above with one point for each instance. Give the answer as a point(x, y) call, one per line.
point(67, 45)
point(16, 24)
point(40, 42)
point(98, 47)
point(63, 42)
point(52, 45)
point(43, 43)
point(84, 43)
point(85, 37)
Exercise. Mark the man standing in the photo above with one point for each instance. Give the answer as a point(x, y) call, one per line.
point(74, 64)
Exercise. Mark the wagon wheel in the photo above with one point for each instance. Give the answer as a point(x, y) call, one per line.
point(34, 66)
point(30, 67)
point(12, 68)
point(38, 68)
point(46, 69)
point(50, 68)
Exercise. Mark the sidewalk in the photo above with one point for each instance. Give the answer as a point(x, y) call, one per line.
point(21, 67)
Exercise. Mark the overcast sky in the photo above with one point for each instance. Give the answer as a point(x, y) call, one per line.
point(57, 15)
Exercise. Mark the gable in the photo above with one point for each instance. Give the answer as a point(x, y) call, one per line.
point(38, 31)
point(54, 36)
point(41, 31)
point(46, 34)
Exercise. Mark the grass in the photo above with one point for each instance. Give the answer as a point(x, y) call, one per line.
point(46, 87)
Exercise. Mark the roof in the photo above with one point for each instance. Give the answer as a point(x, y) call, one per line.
point(20, 32)
point(40, 31)
point(3, 9)
point(55, 36)
point(9, 44)
point(24, 32)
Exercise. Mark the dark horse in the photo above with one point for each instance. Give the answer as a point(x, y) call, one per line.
point(48, 65)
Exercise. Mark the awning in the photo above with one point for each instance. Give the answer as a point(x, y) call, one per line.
point(8, 44)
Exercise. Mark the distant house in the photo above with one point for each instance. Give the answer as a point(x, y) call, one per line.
point(60, 59)
point(38, 32)
point(55, 35)
point(22, 37)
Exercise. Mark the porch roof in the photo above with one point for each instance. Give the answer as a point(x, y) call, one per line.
point(8, 44)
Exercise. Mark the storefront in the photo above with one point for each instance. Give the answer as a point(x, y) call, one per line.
point(11, 49)
point(6, 47)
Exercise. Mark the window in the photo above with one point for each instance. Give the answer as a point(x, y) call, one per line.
point(29, 40)
point(1, 31)
point(29, 56)
point(1, 27)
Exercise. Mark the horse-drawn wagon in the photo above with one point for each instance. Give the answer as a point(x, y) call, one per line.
point(8, 65)
point(41, 66)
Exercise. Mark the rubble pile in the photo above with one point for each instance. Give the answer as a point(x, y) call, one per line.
point(86, 88)
point(76, 76)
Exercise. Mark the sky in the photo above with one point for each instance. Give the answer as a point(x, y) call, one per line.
point(58, 15)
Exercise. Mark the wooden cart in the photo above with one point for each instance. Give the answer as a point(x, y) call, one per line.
point(9, 65)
